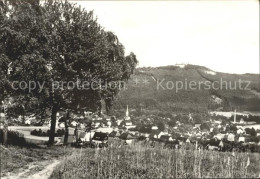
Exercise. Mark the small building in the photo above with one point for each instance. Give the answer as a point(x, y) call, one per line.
point(86, 136)
point(197, 125)
point(28, 122)
point(97, 124)
point(74, 123)
point(241, 139)
point(128, 123)
point(220, 136)
point(231, 137)
point(240, 131)
point(100, 136)
point(61, 125)
point(221, 144)
point(242, 121)
point(88, 113)
point(109, 123)
point(119, 121)
point(155, 134)
point(154, 128)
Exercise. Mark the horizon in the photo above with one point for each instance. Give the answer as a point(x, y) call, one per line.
point(190, 32)
point(138, 67)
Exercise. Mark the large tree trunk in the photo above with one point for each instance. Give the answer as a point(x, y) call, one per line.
point(66, 129)
point(53, 124)
point(5, 132)
point(23, 119)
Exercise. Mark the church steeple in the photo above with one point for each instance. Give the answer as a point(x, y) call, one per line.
point(127, 112)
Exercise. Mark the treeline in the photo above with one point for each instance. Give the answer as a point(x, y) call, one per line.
point(15, 138)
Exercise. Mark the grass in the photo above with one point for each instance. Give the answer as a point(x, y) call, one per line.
point(13, 159)
point(141, 161)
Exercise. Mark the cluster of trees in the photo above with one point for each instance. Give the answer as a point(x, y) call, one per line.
point(58, 42)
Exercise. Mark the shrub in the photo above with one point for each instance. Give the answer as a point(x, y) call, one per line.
point(15, 138)
point(59, 133)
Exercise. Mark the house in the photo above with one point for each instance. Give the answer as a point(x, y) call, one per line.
point(162, 133)
point(155, 134)
point(28, 122)
point(220, 136)
point(127, 137)
point(2, 114)
point(144, 134)
point(128, 123)
point(242, 121)
point(74, 123)
point(231, 137)
point(212, 147)
point(197, 125)
point(113, 134)
point(81, 126)
point(107, 130)
point(217, 121)
point(88, 113)
point(100, 136)
point(240, 131)
point(154, 128)
point(86, 136)
point(188, 140)
point(61, 124)
point(241, 139)
point(97, 124)
point(221, 144)
point(119, 121)
point(130, 127)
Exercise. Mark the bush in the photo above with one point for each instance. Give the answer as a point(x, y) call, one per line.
point(59, 133)
point(14, 138)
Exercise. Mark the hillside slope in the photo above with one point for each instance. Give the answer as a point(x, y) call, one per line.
point(190, 88)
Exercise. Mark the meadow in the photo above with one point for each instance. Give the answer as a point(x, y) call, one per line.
point(141, 161)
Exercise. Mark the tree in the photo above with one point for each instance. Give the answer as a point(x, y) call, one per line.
point(172, 123)
point(161, 126)
point(205, 126)
point(61, 47)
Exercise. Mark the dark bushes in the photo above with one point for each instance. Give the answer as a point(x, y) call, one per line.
point(15, 138)
point(59, 133)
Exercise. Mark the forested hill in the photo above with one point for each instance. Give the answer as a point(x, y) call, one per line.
point(159, 88)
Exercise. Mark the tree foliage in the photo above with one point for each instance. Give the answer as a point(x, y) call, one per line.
point(62, 47)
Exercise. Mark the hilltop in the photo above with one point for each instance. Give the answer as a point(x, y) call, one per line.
point(147, 90)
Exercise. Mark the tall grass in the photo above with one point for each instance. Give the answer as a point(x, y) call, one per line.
point(141, 161)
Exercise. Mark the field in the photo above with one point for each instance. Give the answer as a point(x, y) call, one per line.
point(141, 161)
point(17, 162)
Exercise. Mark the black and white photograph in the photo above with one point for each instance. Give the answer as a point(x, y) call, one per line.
point(129, 89)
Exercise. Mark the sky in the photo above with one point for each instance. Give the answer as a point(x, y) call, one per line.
point(221, 35)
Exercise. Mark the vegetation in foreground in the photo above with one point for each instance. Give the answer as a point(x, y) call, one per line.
point(13, 158)
point(141, 161)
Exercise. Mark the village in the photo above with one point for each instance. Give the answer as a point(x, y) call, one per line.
point(214, 134)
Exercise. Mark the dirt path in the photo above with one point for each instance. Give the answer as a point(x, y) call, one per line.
point(32, 172)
